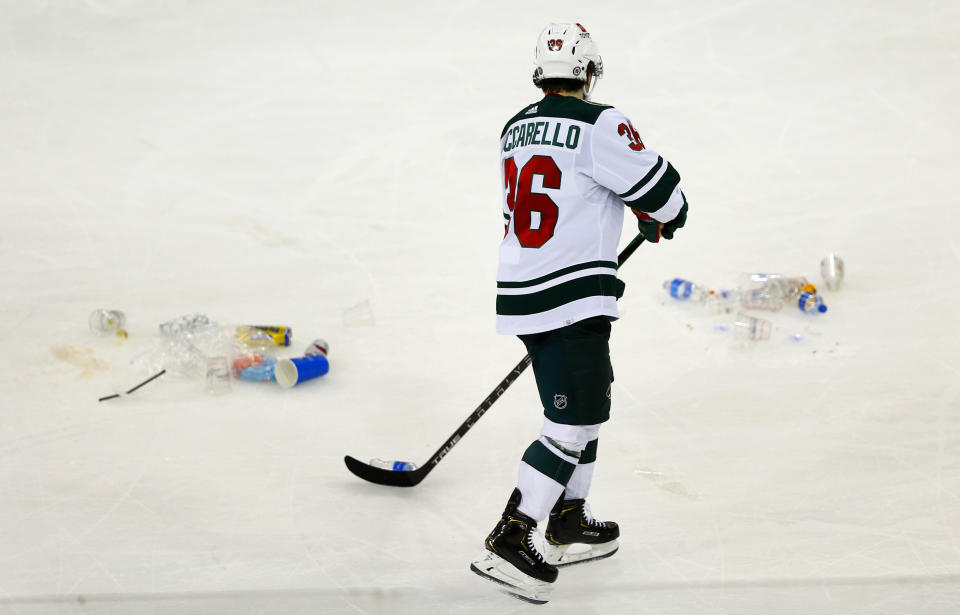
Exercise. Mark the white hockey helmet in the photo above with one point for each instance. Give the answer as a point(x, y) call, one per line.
point(565, 51)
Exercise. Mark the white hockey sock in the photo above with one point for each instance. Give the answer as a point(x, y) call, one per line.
point(579, 484)
point(543, 474)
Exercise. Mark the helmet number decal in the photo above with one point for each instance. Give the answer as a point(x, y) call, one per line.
point(632, 135)
point(534, 214)
point(555, 44)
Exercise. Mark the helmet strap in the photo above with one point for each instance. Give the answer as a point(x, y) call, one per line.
point(591, 82)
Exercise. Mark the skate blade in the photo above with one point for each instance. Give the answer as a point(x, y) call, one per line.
point(512, 582)
point(578, 553)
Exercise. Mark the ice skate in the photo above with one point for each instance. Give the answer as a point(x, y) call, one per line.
point(574, 536)
point(511, 559)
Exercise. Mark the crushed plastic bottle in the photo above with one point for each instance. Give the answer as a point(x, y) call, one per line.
point(396, 466)
point(770, 291)
point(792, 287)
point(723, 301)
point(188, 323)
point(761, 291)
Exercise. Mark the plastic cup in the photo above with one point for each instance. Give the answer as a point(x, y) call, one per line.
point(359, 315)
point(831, 268)
point(218, 376)
point(290, 372)
point(105, 322)
point(748, 328)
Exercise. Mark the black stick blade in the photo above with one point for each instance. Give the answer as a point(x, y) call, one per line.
point(385, 477)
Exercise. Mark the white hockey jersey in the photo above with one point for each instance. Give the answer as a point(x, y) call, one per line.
point(569, 167)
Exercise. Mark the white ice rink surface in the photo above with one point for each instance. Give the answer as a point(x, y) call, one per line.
point(280, 162)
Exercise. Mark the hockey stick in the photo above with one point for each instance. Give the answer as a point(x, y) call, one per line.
point(150, 379)
point(411, 478)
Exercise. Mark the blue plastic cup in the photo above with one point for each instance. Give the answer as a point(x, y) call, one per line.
point(290, 372)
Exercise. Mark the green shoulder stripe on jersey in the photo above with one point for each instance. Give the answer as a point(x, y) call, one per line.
point(572, 108)
point(543, 460)
point(555, 296)
point(553, 105)
point(557, 274)
point(657, 196)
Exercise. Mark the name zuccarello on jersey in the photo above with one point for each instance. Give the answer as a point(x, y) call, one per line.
point(539, 133)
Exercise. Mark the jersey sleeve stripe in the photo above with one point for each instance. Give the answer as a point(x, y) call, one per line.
point(658, 194)
point(557, 274)
point(671, 208)
point(643, 182)
point(555, 296)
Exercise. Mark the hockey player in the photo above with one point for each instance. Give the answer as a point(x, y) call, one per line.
point(569, 167)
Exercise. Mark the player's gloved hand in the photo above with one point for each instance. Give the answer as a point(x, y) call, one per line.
point(649, 228)
point(669, 228)
point(652, 230)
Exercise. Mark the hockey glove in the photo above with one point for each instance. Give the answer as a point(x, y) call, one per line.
point(669, 228)
point(649, 228)
point(652, 230)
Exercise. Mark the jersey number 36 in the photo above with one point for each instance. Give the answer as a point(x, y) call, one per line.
point(534, 214)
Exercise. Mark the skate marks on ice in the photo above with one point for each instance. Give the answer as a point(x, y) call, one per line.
point(667, 482)
point(577, 594)
point(931, 594)
point(369, 600)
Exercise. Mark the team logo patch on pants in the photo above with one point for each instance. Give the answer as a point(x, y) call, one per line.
point(609, 391)
point(559, 401)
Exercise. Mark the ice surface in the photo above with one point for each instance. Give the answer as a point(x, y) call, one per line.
point(283, 162)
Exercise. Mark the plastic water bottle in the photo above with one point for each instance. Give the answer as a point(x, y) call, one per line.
point(684, 290)
point(723, 301)
point(396, 466)
point(792, 287)
point(771, 291)
point(761, 291)
point(811, 303)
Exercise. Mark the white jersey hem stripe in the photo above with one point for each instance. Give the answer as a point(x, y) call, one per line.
point(527, 290)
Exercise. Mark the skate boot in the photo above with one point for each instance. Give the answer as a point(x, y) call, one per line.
point(512, 559)
point(574, 536)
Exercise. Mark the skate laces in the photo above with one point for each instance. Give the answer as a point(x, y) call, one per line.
point(587, 515)
point(528, 541)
